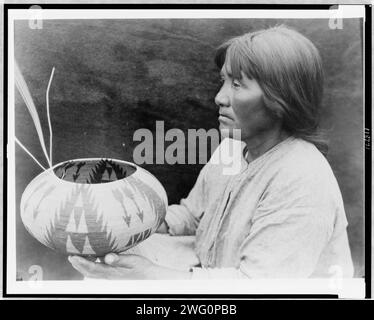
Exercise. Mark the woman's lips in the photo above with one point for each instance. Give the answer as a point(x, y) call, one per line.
point(223, 118)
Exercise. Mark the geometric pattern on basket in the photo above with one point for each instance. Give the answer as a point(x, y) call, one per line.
point(72, 232)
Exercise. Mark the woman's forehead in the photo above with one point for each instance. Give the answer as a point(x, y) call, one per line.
point(226, 69)
point(227, 72)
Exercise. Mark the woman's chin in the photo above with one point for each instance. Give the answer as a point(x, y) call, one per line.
point(226, 132)
point(229, 132)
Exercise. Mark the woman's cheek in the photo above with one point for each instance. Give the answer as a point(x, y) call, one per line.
point(241, 109)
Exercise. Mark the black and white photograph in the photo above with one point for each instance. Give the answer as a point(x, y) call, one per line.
point(186, 151)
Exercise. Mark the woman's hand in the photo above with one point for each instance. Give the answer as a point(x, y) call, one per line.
point(127, 266)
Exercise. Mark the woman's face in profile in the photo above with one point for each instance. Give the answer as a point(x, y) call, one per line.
point(241, 106)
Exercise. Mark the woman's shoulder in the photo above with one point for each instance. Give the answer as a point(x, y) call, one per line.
point(301, 177)
point(304, 160)
point(304, 168)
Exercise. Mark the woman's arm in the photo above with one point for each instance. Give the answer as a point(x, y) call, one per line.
point(184, 218)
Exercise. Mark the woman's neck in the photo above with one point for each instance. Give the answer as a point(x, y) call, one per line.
point(260, 144)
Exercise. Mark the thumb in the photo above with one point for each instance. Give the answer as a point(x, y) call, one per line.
point(111, 259)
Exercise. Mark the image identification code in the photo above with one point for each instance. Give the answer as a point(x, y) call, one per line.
point(188, 309)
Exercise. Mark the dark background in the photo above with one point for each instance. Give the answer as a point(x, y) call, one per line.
point(115, 76)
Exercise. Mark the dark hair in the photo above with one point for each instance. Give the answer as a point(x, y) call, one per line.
point(288, 68)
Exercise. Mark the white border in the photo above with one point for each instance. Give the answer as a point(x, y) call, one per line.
point(11, 200)
point(349, 288)
point(344, 11)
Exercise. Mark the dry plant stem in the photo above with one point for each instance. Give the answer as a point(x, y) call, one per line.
point(29, 153)
point(25, 93)
point(49, 118)
point(26, 96)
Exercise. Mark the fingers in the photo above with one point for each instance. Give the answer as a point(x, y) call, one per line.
point(129, 261)
point(127, 266)
point(90, 269)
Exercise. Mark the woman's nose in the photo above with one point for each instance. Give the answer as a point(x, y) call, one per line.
point(222, 99)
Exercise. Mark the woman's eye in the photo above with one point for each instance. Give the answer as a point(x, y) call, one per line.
point(235, 84)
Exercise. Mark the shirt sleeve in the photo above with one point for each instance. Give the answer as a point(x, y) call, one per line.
point(184, 218)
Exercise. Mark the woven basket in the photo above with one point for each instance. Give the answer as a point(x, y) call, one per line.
point(91, 207)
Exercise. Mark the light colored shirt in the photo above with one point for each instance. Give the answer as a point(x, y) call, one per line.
point(280, 216)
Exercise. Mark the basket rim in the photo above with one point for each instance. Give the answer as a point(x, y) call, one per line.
point(136, 167)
